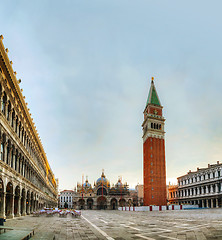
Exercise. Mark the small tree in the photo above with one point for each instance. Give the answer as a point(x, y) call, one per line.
point(66, 205)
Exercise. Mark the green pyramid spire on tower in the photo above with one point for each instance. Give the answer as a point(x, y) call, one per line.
point(153, 96)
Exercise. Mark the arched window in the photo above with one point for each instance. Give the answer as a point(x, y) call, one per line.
point(12, 159)
point(16, 125)
point(19, 133)
point(9, 110)
point(19, 165)
point(4, 100)
point(2, 151)
point(22, 135)
point(151, 125)
point(13, 118)
point(7, 155)
point(101, 191)
point(16, 158)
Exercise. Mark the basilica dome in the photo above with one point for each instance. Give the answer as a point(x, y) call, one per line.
point(87, 184)
point(103, 181)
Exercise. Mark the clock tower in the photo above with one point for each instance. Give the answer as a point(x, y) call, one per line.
point(154, 166)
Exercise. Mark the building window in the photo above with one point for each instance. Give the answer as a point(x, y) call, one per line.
point(213, 174)
point(151, 180)
point(2, 147)
point(151, 163)
point(218, 173)
point(151, 155)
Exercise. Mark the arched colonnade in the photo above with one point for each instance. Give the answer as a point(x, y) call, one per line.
point(18, 200)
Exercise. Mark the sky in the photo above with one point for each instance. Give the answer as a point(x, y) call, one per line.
point(86, 68)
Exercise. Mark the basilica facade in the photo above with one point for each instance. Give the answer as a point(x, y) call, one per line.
point(101, 195)
point(27, 182)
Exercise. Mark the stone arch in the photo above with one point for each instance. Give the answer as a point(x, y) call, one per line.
point(4, 101)
point(31, 202)
point(122, 202)
point(9, 108)
point(129, 202)
point(28, 202)
point(101, 191)
point(81, 203)
point(16, 201)
point(12, 156)
point(2, 210)
point(9, 200)
point(23, 202)
point(8, 147)
point(89, 203)
point(13, 118)
point(101, 202)
point(113, 204)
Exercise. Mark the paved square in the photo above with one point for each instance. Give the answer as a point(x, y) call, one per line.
point(186, 224)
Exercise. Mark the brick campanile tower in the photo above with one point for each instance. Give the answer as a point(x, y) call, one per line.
point(154, 167)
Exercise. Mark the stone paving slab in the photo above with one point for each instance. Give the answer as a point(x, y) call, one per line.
point(105, 224)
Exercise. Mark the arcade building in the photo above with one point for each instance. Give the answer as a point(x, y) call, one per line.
point(27, 182)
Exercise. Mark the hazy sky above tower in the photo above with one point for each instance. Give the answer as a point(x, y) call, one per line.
point(86, 68)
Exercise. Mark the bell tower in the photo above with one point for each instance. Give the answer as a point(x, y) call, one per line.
point(154, 167)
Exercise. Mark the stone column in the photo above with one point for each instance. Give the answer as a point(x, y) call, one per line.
point(211, 189)
point(202, 190)
point(207, 203)
point(216, 188)
point(207, 190)
point(1, 101)
point(18, 163)
point(24, 207)
point(10, 156)
point(19, 207)
point(29, 205)
point(203, 204)
point(12, 206)
point(13, 160)
point(4, 152)
point(217, 206)
point(3, 205)
point(6, 109)
point(212, 203)
point(10, 117)
point(12, 120)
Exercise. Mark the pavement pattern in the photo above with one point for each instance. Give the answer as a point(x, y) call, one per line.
point(198, 224)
